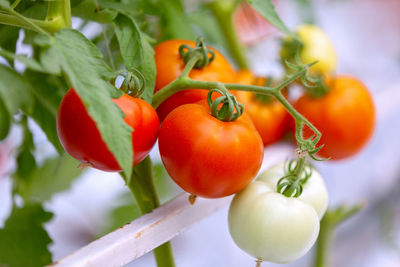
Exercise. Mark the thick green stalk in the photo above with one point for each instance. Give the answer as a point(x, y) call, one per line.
point(143, 189)
point(296, 115)
point(324, 244)
point(223, 12)
point(15, 4)
point(60, 9)
point(331, 219)
point(306, 11)
point(58, 17)
point(183, 83)
point(13, 18)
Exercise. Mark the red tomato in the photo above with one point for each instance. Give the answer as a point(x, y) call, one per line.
point(82, 140)
point(169, 66)
point(345, 116)
point(269, 118)
point(208, 157)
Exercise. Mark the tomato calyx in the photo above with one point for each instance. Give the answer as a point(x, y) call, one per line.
point(226, 107)
point(297, 174)
point(291, 49)
point(318, 88)
point(188, 52)
point(134, 82)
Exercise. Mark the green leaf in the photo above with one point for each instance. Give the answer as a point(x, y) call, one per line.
point(46, 88)
point(55, 175)
point(47, 97)
point(5, 120)
point(26, 163)
point(130, 7)
point(4, 4)
point(267, 10)
point(14, 90)
point(8, 39)
point(33, 9)
point(209, 28)
point(48, 59)
point(136, 51)
point(23, 239)
point(175, 21)
point(89, 75)
point(88, 10)
point(28, 62)
point(47, 122)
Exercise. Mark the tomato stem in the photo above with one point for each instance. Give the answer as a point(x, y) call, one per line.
point(59, 10)
point(295, 187)
point(58, 17)
point(13, 18)
point(190, 64)
point(183, 82)
point(142, 186)
point(192, 199)
point(223, 14)
point(331, 219)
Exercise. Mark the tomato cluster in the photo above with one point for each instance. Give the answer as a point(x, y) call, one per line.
point(210, 157)
point(343, 111)
point(193, 144)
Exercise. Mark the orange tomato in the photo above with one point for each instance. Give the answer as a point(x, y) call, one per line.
point(169, 66)
point(269, 118)
point(345, 116)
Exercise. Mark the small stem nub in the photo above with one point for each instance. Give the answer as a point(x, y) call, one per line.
point(258, 263)
point(226, 107)
point(187, 52)
point(192, 199)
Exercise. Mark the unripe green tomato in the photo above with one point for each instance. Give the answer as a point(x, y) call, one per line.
point(314, 191)
point(316, 47)
point(270, 226)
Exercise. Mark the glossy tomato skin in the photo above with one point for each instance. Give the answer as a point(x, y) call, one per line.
point(82, 140)
point(345, 116)
point(270, 226)
point(314, 191)
point(270, 119)
point(169, 66)
point(208, 157)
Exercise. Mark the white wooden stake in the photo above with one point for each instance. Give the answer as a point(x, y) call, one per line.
point(143, 234)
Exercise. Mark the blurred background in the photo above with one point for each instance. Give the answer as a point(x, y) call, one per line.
point(366, 35)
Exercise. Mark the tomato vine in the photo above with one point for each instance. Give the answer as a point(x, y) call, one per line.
point(64, 58)
point(183, 82)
